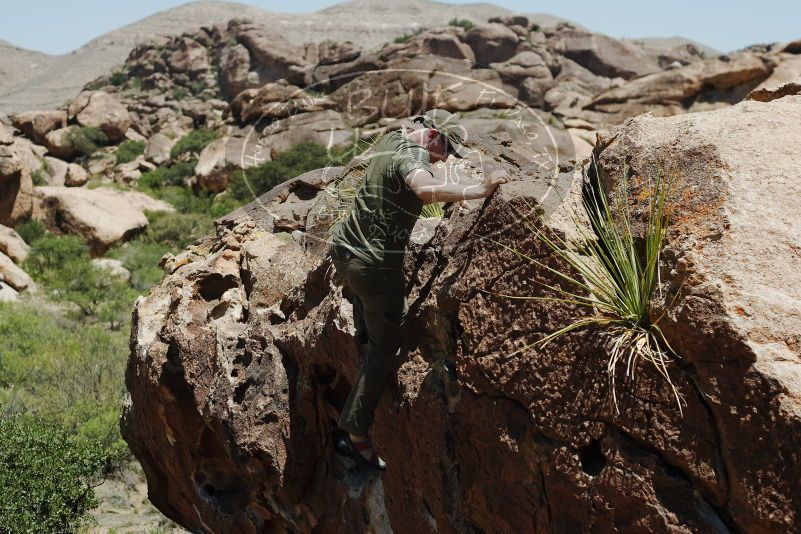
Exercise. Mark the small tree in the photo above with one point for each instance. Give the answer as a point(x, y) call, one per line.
point(47, 478)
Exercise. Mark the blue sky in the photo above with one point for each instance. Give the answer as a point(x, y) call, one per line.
point(57, 27)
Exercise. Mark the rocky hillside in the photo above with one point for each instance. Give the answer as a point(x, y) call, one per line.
point(241, 357)
point(32, 80)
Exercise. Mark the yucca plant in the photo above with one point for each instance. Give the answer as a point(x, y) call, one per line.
point(435, 209)
point(613, 279)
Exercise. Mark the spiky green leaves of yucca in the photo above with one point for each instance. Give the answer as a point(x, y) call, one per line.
point(614, 277)
point(435, 209)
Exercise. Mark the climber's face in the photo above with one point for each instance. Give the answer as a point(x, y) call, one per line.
point(436, 144)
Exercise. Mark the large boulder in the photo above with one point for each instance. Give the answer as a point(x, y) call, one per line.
point(190, 58)
point(329, 52)
point(530, 73)
point(213, 170)
point(275, 101)
point(446, 42)
point(410, 85)
point(734, 287)
point(492, 43)
point(59, 142)
point(15, 277)
point(672, 91)
point(271, 57)
point(55, 171)
point(6, 134)
point(98, 109)
point(104, 217)
point(12, 245)
point(327, 128)
point(37, 124)
point(242, 357)
point(235, 73)
point(76, 175)
point(157, 150)
point(15, 186)
point(8, 293)
point(603, 55)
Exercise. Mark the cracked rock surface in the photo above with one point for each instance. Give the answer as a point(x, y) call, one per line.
point(241, 356)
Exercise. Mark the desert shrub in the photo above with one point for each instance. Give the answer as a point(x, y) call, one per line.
point(177, 230)
point(38, 176)
point(117, 78)
point(47, 478)
point(406, 36)
point(179, 93)
point(129, 150)
point(141, 258)
point(30, 230)
point(464, 23)
point(193, 142)
point(86, 140)
point(167, 175)
point(66, 373)
point(50, 252)
point(197, 87)
point(62, 264)
point(256, 181)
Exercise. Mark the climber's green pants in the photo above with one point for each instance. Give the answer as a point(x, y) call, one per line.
point(379, 312)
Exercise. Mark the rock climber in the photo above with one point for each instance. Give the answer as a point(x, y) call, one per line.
point(367, 249)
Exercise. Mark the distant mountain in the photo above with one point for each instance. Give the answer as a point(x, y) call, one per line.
point(33, 80)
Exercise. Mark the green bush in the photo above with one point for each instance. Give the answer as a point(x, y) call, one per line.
point(117, 78)
point(129, 150)
point(256, 181)
point(141, 257)
point(464, 23)
point(194, 142)
point(47, 478)
point(86, 140)
point(62, 264)
point(38, 177)
point(50, 252)
point(64, 372)
point(406, 36)
point(179, 93)
point(177, 230)
point(30, 230)
point(168, 175)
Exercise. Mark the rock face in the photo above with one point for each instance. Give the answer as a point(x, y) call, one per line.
point(602, 55)
point(242, 357)
point(98, 109)
point(104, 217)
point(492, 43)
point(696, 87)
point(15, 186)
point(735, 320)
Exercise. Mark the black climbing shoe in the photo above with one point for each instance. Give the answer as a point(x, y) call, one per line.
point(345, 446)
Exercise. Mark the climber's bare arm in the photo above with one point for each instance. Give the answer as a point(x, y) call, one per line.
point(457, 188)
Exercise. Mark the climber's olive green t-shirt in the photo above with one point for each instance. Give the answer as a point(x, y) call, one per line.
point(378, 227)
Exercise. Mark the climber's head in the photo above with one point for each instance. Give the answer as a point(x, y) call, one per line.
point(441, 134)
